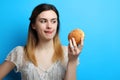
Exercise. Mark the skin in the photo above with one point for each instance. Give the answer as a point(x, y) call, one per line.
point(73, 53)
point(46, 26)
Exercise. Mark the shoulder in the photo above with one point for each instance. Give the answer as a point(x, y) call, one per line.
point(16, 56)
point(18, 50)
point(65, 49)
point(19, 47)
point(65, 52)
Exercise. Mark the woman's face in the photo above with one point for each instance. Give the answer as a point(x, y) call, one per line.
point(46, 25)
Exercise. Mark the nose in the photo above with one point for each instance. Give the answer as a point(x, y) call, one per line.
point(49, 25)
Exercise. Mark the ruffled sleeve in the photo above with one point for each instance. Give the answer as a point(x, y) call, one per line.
point(16, 56)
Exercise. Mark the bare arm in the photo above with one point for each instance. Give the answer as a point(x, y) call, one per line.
point(71, 71)
point(73, 53)
point(5, 68)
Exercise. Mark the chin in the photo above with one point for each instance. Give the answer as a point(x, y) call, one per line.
point(49, 38)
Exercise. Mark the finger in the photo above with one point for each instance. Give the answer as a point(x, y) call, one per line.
point(82, 40)
point(81, 44)
point(75, 45)
point(71, 47)
point(74, 42)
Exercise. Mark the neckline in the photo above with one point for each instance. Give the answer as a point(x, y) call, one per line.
point(48, 69)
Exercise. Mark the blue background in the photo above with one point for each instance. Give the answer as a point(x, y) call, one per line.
point(99, 19)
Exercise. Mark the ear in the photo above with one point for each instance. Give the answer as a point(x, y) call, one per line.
point(33, 26)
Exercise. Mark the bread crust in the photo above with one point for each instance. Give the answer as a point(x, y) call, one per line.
point(77, 34)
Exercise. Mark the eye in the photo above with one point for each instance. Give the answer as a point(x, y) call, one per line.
point(43, 21)
point(54, 21)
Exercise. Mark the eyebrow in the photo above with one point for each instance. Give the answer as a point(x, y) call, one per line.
point(46, 19)
point(54, 19)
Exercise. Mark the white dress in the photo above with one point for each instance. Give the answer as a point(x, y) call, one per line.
point(30, 72)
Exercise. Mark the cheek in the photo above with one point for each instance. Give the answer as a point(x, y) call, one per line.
point(40, 30)
point(40, 27)
point(55, 27)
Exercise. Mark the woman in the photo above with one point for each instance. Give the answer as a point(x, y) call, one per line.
point(43, 57)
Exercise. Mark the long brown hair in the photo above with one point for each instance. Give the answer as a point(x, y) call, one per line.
point(33, 38)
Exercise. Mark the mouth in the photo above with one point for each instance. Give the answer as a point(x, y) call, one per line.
point(48, 32)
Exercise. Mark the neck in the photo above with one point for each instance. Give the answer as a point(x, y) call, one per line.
point(45, 45)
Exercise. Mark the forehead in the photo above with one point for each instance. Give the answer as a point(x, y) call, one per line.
point(47, 14)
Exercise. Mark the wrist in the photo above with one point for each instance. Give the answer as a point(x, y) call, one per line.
point(72, 62)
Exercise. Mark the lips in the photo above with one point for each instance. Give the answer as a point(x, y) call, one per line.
point(48, 32)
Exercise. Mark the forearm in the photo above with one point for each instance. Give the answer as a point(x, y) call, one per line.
point(0, 72)
point(71, 70)
point(5, 68)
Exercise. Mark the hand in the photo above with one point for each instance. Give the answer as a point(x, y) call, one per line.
point(74, 50)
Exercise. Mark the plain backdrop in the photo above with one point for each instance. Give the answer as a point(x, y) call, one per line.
point(99, 19)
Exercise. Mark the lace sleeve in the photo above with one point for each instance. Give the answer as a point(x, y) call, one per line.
point(16, 56)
